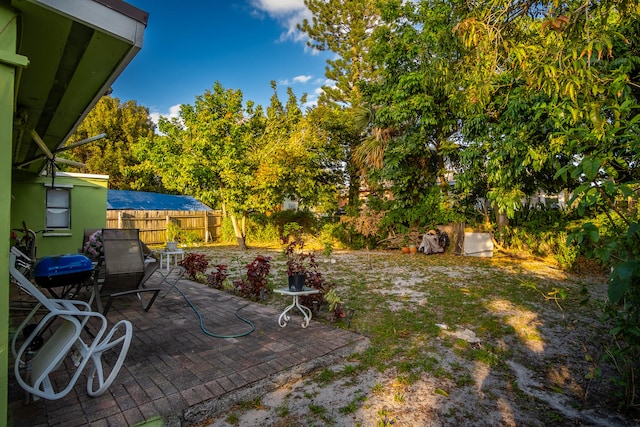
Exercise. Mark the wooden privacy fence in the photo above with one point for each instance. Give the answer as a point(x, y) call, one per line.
point(203, 226)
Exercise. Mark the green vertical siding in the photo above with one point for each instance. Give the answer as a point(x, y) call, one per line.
point(9, 60)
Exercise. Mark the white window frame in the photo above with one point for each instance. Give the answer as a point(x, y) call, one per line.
point(61, 208)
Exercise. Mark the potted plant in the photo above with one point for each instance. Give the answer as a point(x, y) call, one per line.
point(298, 263)
point(405, 245)
point(173, 235)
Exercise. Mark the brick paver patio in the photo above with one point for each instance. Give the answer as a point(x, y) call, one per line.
point(175, 371)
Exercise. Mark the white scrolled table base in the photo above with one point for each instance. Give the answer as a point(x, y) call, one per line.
point(306, 312)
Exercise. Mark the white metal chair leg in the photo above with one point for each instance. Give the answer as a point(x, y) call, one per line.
point(97, 372)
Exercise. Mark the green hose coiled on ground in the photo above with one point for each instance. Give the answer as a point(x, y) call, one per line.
point(211, 334)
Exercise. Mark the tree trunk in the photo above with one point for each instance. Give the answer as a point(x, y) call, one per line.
point(240, 237)
point(444, 186)
point(502, 220)
point(354, 186)
point(442, 178)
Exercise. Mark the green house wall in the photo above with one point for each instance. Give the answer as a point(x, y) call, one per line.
point(88, 209)
point(10, 64)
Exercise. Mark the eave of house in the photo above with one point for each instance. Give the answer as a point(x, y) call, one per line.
point(76, 49)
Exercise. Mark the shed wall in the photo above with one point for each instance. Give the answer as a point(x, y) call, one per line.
point(88, 205)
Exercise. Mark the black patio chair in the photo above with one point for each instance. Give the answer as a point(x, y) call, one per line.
point(126, 269)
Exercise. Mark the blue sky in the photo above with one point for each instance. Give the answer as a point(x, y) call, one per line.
point(243, 44)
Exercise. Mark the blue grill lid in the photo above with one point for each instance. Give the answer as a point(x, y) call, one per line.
point(59, 265)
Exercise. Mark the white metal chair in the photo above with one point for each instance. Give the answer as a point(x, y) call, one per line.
point(64, 334)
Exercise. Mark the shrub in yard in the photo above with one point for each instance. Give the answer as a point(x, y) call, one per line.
point(305, 219)
point(189, 237)
point(260, 229)
point(544, 242)
point(216, 278)
point(615, 243)
point(327, 295)
point(227, 234)
point(255, 285)
point(335, 304)
point(194, 264)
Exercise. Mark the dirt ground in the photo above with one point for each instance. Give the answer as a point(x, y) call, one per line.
point(543, 375)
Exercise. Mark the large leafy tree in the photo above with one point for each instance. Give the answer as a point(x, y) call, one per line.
point(344, 28)
point(328, 128)
point(208, 151)
point(236, 157)
point(415, 104)
point(576, 64)
point(506, 132)
point(123, 124)
point(507, 155)
point(294, 158)
point(555, 79)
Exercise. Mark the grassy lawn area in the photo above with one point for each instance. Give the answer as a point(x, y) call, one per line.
point(454, 341)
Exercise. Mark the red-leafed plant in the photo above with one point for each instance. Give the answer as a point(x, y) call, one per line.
point(216, 278)
point(194, 264)
point(255, 285)
point(298, 261)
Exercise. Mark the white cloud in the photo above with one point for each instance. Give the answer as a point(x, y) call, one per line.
point(279, 7)
point(302, 79)
point(311, 103)
point(155, 117)
point(289, 13)
point(174, 112)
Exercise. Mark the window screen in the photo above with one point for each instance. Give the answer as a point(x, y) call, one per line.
point(58, 208)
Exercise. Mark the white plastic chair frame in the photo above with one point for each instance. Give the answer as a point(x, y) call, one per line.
point(33, 371)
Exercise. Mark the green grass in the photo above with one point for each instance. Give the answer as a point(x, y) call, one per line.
point(232, 418)
point(325, 376)
point(249, 404)
point(282, 411)
point(350, 370)
point(377, 389)
point(353, 406)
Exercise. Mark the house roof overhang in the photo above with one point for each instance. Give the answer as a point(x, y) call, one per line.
point(76, 49)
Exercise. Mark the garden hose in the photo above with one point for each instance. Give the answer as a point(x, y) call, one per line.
point(211, 334)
